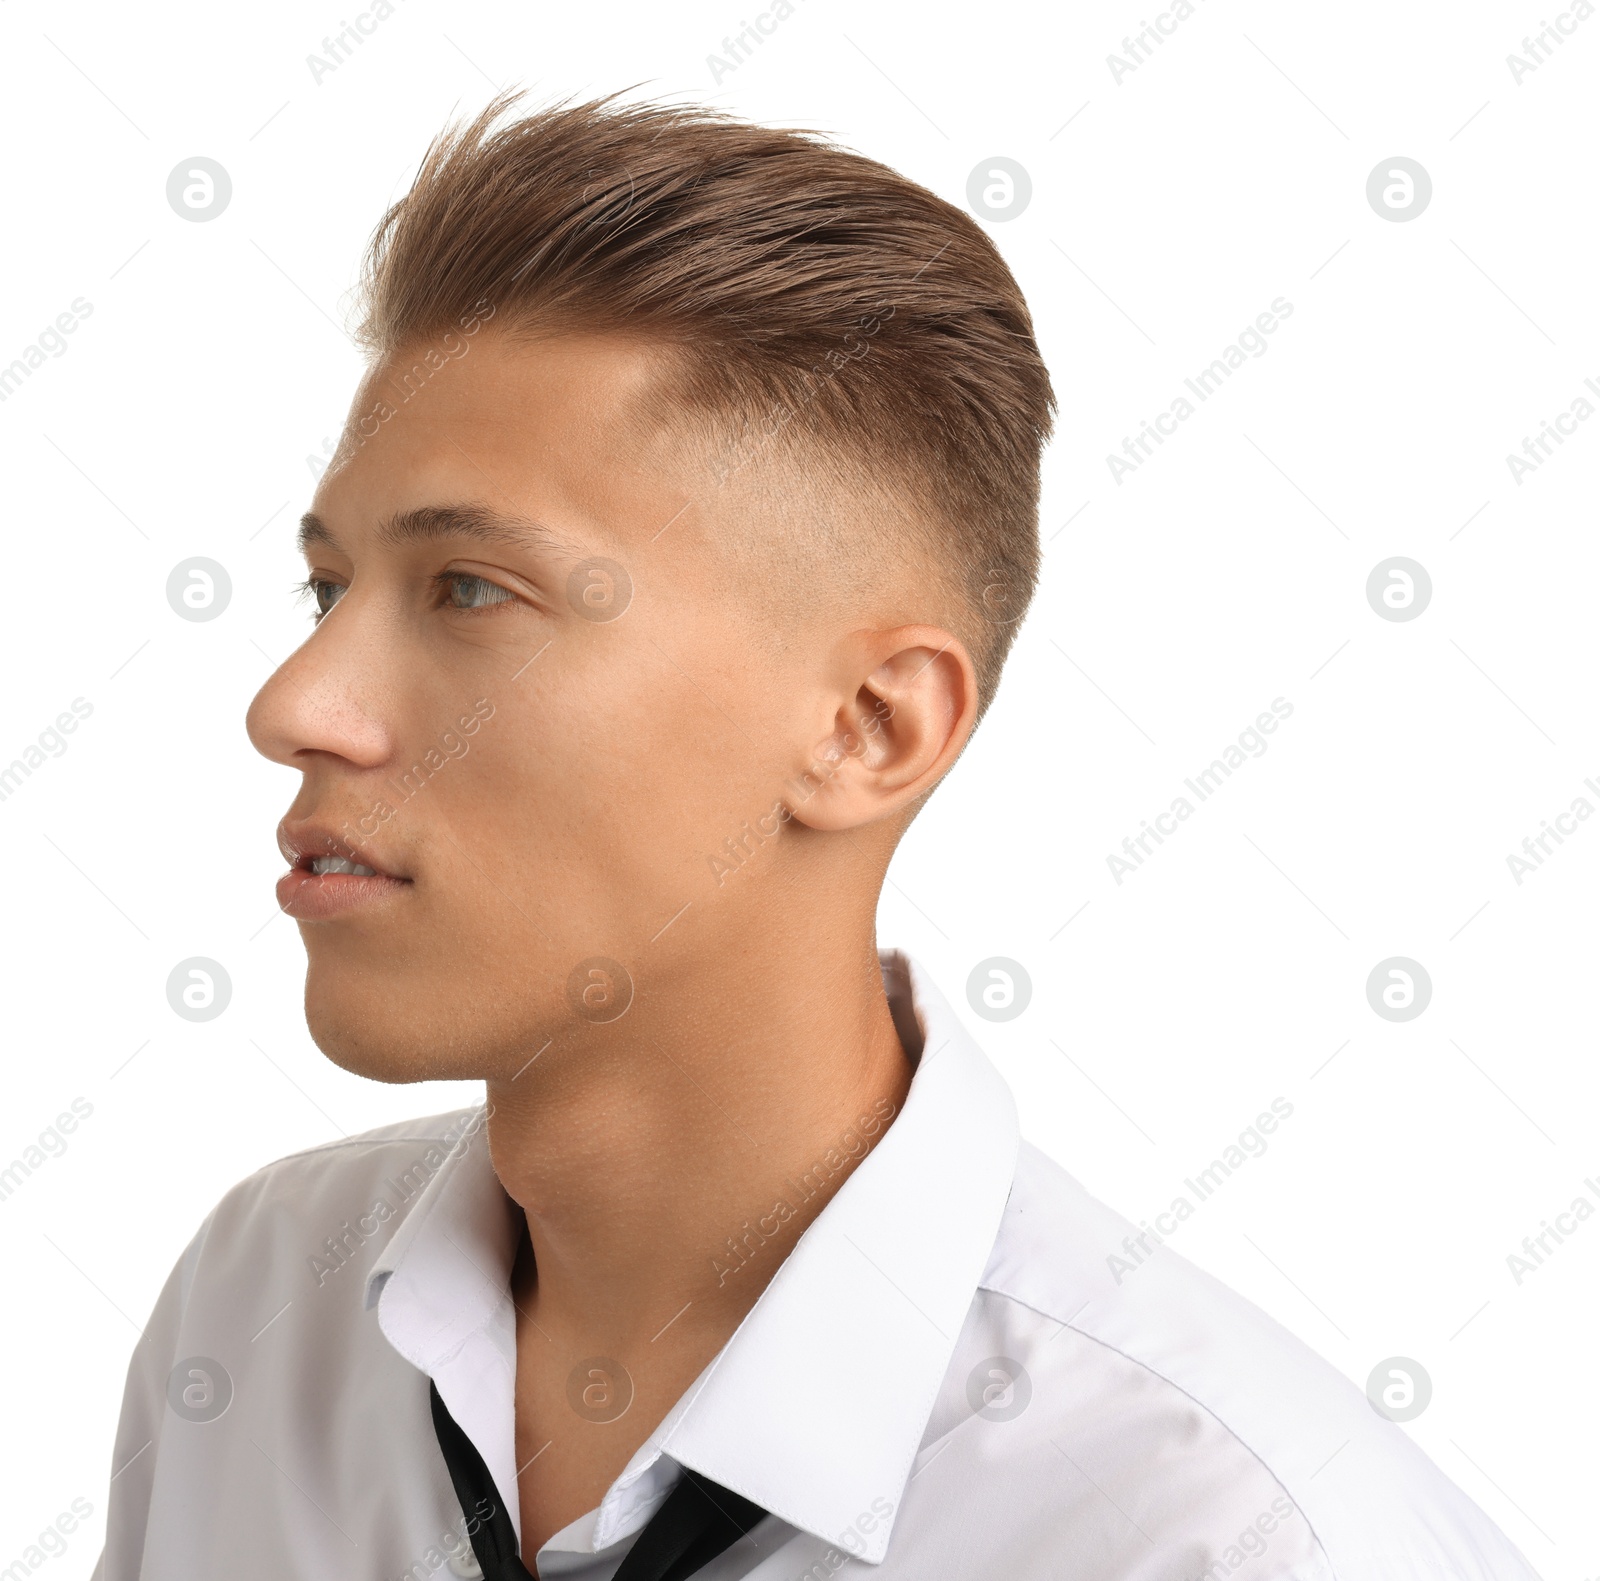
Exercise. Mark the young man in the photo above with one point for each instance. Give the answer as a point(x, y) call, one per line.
point(671, 553)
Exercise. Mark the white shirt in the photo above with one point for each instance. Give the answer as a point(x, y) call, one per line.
point(945, 1379)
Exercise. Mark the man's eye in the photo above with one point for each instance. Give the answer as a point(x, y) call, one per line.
point(473, 592)
point(323, 593)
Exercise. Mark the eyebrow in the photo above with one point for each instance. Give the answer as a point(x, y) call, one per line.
point(425, 522)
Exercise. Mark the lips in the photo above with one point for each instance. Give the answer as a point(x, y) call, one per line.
point(328, 876)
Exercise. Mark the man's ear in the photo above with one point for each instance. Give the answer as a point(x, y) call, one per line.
point(909, 714)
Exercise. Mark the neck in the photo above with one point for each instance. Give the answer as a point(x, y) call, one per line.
point(667, 1162)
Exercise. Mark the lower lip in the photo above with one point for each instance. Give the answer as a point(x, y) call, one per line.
point(315, 897)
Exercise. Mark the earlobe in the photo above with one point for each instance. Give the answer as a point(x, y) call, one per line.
point(906, 721)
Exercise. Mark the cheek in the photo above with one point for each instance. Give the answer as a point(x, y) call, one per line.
point(565, 797)
point(589, 806)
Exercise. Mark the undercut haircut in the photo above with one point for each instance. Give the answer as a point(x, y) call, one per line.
point(815, 305)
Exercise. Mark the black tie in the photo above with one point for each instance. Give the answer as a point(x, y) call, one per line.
point(698, 1521)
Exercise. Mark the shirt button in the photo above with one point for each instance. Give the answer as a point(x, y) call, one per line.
point(466, 1564)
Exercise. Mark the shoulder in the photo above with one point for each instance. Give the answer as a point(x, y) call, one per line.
point(265, 1313)
point(367, 1156)
point(326, 1204)
point(1186, 1362)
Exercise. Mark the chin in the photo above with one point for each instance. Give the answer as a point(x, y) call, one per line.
point(370, 1034)
point(392, 1028)
point(367, 1052)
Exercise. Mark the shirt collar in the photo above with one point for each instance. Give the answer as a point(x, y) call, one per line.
point(817, 1405)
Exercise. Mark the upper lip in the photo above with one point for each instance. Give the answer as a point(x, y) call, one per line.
point(302, 840)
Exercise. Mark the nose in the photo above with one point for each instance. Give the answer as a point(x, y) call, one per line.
point(324, 698)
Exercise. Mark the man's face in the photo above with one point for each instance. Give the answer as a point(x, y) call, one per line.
point(538, 737)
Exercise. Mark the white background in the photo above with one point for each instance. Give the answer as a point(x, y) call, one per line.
point(1167, 211)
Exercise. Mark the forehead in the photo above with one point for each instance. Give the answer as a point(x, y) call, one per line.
point(523, 425)
point(474, 375)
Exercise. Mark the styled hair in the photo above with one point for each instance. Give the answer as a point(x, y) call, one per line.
point(813, 302)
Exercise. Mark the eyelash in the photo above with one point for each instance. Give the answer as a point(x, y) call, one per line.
point(308, 589)
point(443, 580)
